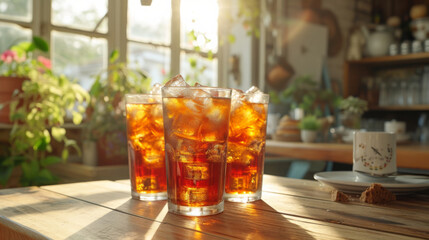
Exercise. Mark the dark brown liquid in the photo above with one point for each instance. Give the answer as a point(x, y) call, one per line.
point(246, 148)
point(196, 133)
point(145, 132)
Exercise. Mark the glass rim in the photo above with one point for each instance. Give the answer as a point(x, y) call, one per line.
point(196, 88)
point(142, 98)
point(140, 94)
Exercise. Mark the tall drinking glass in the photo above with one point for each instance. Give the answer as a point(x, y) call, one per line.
point(246, 148)
point(146, 156)
point(196, 130)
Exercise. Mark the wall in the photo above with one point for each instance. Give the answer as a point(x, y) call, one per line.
point(346, 17)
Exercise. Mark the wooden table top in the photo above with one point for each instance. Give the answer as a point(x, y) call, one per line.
point(289, 209)
point(407, 155)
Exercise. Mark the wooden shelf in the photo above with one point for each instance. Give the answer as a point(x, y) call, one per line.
point(414, 156)
point(423, 107)
point(410, 59)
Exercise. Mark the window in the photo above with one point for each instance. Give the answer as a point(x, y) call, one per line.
point(17, 16)
point(82, 33)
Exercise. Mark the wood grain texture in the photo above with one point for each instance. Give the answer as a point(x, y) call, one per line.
point(407, 156)
point(60, 217)
point(289, 209)
point(269, 217)
point(13, 230)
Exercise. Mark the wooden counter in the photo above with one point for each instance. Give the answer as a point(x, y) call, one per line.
point(289, 209)
point(407, 155)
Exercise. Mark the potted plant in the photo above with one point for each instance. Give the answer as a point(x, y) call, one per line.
point(306, 94)
point(105, 126)
point(15, 64)
point(38, 113)
point(309, 126)
point(352, 109)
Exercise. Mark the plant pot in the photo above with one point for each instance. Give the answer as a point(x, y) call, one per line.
point(112, 149)
point(308, 136)
point(352, 121)
point(89, 153)
point(8, 86)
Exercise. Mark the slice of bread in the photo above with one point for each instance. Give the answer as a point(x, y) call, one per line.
point(338, 196)
point(376, 193)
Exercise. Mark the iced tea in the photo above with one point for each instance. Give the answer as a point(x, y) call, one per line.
point(246, 149)
point(196, 131)
point(145, 133)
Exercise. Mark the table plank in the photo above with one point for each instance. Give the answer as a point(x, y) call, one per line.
point(272, 218)
point(59, 217)
point(317, 190)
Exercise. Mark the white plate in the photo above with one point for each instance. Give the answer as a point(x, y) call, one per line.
point(351, 182)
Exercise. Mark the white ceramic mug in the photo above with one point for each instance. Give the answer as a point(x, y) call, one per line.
point(374, 153)
point(395, 127)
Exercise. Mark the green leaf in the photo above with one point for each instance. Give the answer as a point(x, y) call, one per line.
point(77, 118)
point(58, 133)
point(49, 160)
point(210, 55)
point(2, 106)
point(95, 88)
point(23, 48)
point(193, 62)
point(45, 177)
point(29, 134)
point(47, 136)
point(29, 170)
point(65, 154)
point(5, 173)
point(40, 44)
point(113, 56)
point(231, 38)
point(40, 144)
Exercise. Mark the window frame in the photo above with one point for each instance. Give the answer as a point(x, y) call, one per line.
point(116, 35)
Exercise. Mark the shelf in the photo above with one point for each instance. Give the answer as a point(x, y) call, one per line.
point(423, 107)
point(410, 59)
point(413, 155)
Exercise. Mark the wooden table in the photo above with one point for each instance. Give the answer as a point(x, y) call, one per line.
point(289, 209)
point(407, 155)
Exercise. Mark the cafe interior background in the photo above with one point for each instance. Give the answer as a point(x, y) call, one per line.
point(326, 64)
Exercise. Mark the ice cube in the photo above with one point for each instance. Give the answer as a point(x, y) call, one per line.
point(176, 81)
point(237, 98)
point(238, 153)
point(197, 171)
point(247, 182)
point(146, 183)
point(199, 85)
point(237, 183)
point(255, 95)
point(199, 93)
point(216, 153)
point(156, 89)
point(193, 194)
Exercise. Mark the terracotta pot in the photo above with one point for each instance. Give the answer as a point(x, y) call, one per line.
point(8, 85)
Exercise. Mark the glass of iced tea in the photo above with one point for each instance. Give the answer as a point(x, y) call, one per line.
point(196, 130)
point(246, 147)
point(146, 156)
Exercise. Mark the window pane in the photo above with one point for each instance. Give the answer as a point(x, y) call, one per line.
point(80, 14)
point(201, 17)
point(154, 61)
point(20, 10)
point(78, 57)
point(12, 34)
point(208, 76)
point(150, 23)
